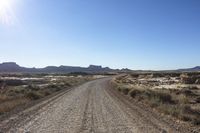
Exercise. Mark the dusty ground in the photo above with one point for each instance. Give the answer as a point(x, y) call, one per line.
point(92, 107)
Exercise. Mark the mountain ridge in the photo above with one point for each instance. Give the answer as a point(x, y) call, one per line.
point(9, 67)
point(14, 67)
point(197, 68)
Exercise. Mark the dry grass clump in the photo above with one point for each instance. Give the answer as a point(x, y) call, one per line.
point(165, 103)
point(3, 98)
point(34, 95)
point(184, 112)
point(135, 92)
point(11, 104)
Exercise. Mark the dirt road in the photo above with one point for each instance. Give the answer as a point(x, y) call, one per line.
point(92, 107)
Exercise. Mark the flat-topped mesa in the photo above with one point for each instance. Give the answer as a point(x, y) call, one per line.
point(95, 67)
point(9, 66)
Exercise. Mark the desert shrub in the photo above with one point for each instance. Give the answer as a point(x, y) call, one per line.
point(125, 91)
point(19, 89)
point(46, 92)
point(182, 99)
point(55, 86)
point(119, 89)
point(134, 75)
point(33, 87)
point(184, 117)
point(188, 114)
point(158, 96)
point(3, 98)
point(169, 109)
point(172, 110)
point(22, 91)
point(174, 74)
point(57, 89)
point(164, 97)
point(78, 73)
point(134, 92)
point(67, 84)
point(14, 82)
point(187, 92)
point(33, 95)
point(196, 121)
point(197, 100)
point(11, 104)
point(186, 109)
point(157, 75)
point(52, 86)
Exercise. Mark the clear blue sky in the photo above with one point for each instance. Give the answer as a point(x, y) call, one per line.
point(136, 34)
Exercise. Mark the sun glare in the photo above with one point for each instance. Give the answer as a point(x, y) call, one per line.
point(4, 4)
point(6, 12)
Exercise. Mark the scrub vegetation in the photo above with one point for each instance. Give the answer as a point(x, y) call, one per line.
point(173, 94)
point(21, 89)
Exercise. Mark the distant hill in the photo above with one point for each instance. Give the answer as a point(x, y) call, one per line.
point(14, 67)
point(194, 69)
point(11, 67)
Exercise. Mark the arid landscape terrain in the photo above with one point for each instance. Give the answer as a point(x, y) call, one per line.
point(99, 66)
point(79, 102)
point(22, 89)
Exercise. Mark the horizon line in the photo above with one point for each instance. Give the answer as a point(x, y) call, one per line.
point(99, 66)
